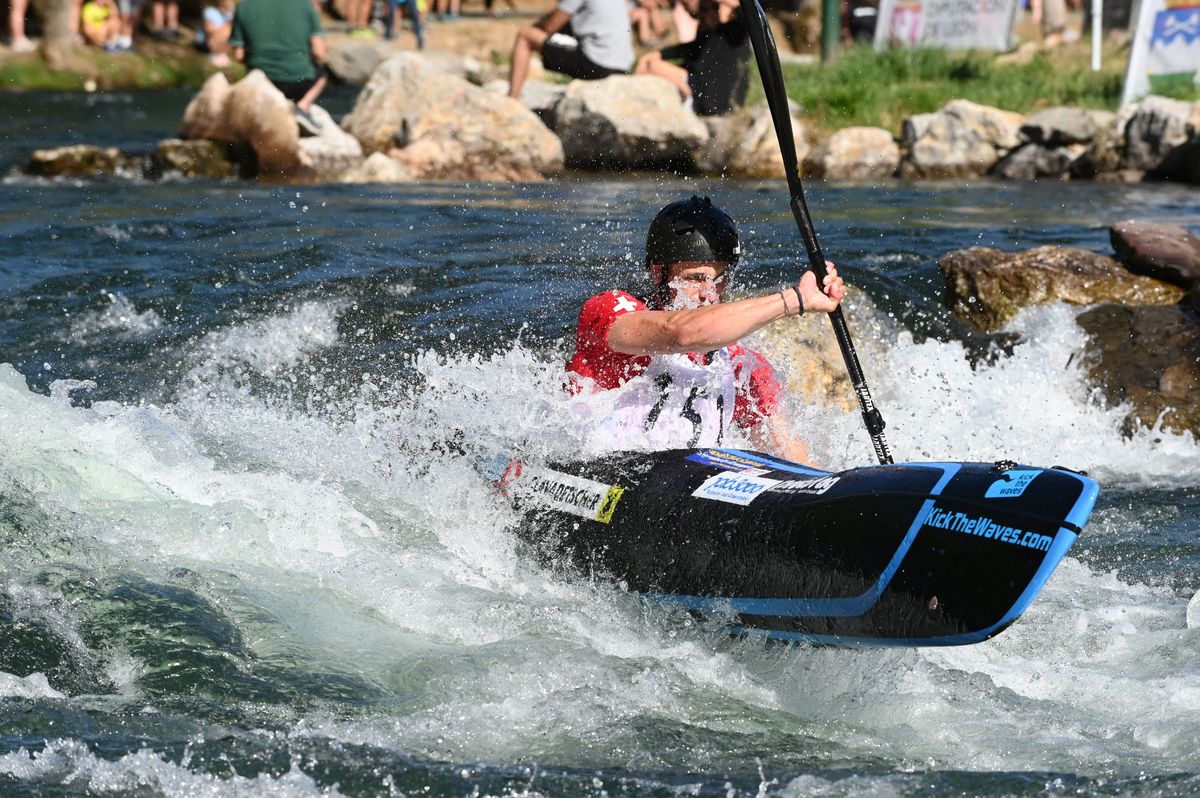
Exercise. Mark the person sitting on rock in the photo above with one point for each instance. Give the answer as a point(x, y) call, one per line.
point(714, 76)
point(216, 26)
point(100, 23)
point(283, 38)
point(643, 16)
point(600, 43)
point(683, 377)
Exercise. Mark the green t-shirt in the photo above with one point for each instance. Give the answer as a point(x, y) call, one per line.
point(276, 36)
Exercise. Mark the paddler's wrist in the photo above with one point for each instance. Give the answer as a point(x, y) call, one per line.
point(793, 305)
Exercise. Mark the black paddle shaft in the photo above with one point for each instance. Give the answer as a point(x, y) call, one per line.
point(767, 56)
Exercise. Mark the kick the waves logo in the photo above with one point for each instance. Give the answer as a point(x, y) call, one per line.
point(985, 527)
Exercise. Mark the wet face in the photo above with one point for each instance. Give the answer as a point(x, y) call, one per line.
point(697, 283)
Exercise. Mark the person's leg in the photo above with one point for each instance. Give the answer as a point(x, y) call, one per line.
point(677, 75)
point(16, 25)
point(418, 22)
point(530, 40)
point(305, 102)
point(158, 16)
point(172, 17)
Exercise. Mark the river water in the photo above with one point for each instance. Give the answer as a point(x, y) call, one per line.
point(235, 561)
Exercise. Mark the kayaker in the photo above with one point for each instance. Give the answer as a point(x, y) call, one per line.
point(675, 358)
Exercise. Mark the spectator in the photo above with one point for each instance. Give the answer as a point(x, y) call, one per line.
point(101, 23)
point(216, 26)
point(643, 16)
point(1052, 16)
point(715, 72)
point(131, 12)
point(491, 12)
point(165, 18)
point(600, 44)
point(683, 14)
point(17, 39)
point(415, 13)
point(283, 38)
point(358, 18)
point(447, 9)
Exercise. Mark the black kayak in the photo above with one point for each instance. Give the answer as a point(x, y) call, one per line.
point(911, 554)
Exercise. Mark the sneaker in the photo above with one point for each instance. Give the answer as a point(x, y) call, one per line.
point(362, 33)
point(307, 122)
point(22, 45)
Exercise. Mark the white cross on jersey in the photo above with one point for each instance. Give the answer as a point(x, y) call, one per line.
point(624, 305)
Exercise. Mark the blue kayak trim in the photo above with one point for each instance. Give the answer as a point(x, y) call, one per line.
point(859, 605)
point(852, 606)
point(765, 462)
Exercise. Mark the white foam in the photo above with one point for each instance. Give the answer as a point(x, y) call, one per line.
point(120, 316)
point(35, 685)
point(68, 763)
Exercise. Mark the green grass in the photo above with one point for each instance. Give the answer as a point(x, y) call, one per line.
point(863, 87)
point(162, 67)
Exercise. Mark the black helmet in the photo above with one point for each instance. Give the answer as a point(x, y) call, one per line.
point(692, 229)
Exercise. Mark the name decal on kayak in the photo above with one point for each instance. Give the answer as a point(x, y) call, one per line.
point(985, 527)
point(581, 497)
point(1011, 485)
point(807, 487)
point(726, 460)
point(734, 487)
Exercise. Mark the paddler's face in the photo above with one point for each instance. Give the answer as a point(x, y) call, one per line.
point(697, 283)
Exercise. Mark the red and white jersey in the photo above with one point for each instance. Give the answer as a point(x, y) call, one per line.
point(668, 401)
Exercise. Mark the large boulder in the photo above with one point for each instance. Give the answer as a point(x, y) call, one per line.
point(1034, 161)
point(963, 139)
point(626, 122)
point(538, 95)
point(79, 160)
point(1154, 128)
point(988, 286)
point(1060, 127)
point(855, 153)
point(441, 126)
point(378, 168)
point(332, 150)
point(353, 60)
point(199, 158)
point(1165, 251)
point(1148, 358)
point(744, 144)
point(251, 111)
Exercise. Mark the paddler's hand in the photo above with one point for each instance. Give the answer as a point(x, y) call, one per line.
point(825, 299)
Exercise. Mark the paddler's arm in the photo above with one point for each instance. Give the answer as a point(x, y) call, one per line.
point(664, 332)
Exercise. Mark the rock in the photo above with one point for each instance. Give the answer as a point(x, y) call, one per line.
point(378, 168)
point(353, 60)
point(914, 127)
point(1149, 358)
point(468, 68)
point(538, 95)
point(1059, 127)
point(855, 153)
point(1166, 252)
point(332, 151)
point(1157, 126)
point(988, 286)
point(963, 139)
point(251, 111)
point(440, 126)
point(1033, 161)
point(627, 122)
point(744, 144)
point(200, 158)
point(80, 160)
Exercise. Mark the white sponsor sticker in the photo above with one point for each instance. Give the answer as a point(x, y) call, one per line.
point(734, 487)
point(585, 498)
point(807, 487)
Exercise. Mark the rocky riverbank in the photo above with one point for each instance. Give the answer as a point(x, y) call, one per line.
point(445, 117)
point(1143, 323)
